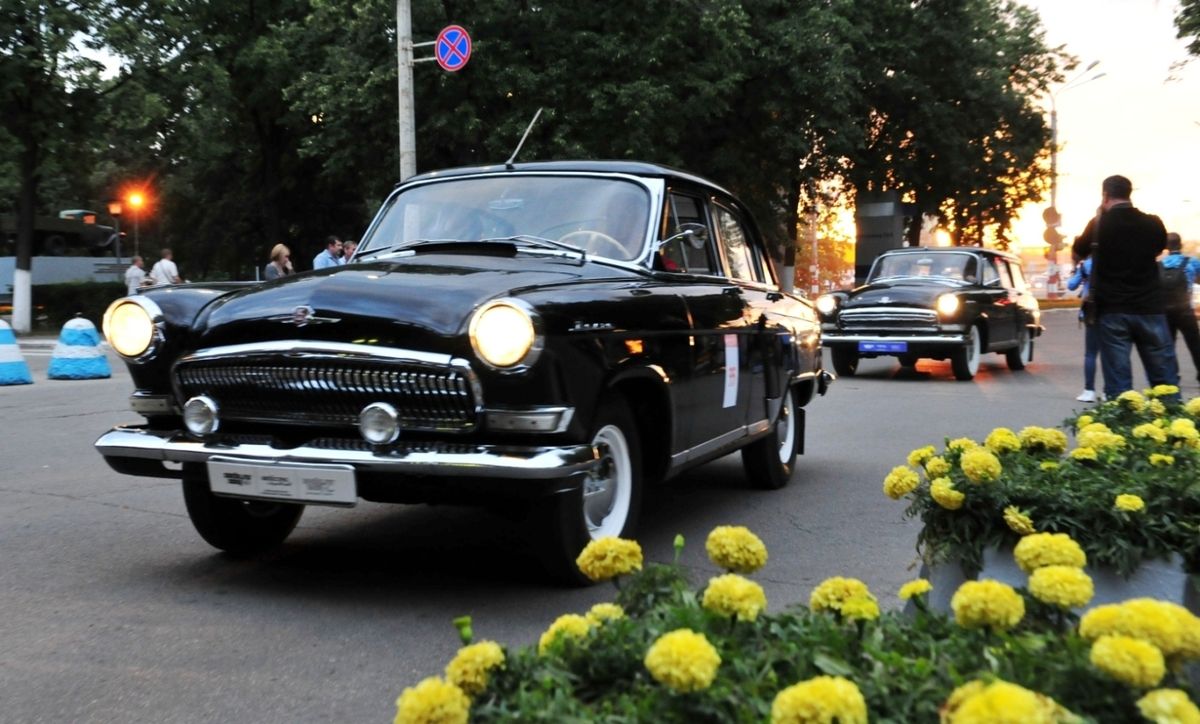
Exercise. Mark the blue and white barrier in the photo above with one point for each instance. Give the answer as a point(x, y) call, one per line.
point(13, 370)
point(78, 355)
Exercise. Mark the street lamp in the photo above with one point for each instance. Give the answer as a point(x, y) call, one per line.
point(136, 200)
point(114, 210)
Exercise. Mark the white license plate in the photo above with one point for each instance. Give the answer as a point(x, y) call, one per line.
point(294, 482)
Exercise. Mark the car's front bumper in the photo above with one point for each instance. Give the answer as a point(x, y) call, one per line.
point(948, 339)
point(141, 451)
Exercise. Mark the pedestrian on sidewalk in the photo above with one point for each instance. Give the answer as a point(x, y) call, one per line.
point(280, 264)
point(135, 275)
point(1178, 275)
point(1123, 244)
point(1091, 338)
point(331, 255)
point(164, 270)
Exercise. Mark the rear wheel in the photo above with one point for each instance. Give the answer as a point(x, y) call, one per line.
point(845, 361)
point(607, 503)
point(1022, 354)
point(965, 361)
point(771, 460)
point(240, 527)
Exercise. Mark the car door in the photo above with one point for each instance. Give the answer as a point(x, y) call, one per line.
point(1000, 313)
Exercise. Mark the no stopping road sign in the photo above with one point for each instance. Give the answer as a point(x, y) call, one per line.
point(452, 48)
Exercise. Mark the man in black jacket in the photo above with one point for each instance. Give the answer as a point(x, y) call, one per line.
point(1124, 244)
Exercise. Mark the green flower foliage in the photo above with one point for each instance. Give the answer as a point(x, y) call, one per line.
point(1061, 493)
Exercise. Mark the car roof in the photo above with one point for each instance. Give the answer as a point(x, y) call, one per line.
point(968, 249)
point(632, 168)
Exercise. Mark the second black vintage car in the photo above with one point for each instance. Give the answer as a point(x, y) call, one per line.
point(938, 303)
point(559, 334)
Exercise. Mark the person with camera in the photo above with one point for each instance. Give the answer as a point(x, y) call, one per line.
point(1091, 339)
point(1178, 275)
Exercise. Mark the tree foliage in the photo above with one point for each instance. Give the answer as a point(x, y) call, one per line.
point(1188, 23)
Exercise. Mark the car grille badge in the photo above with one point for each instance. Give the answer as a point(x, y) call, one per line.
point(301, 316)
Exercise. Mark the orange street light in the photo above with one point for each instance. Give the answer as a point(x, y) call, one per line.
point(136, 200)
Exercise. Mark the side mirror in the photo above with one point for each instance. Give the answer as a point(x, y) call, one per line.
point(695, 235)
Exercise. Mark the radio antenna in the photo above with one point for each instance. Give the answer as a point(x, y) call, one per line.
point(509, 163)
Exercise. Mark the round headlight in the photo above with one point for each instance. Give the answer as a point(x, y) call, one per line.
point(948, 304)
point(379, 423)
point(130, 326)
point(826, 303)
point(503, 334)
point(200, 415)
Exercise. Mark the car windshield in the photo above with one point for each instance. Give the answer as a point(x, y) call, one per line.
point(943, 264)
point(602, 216)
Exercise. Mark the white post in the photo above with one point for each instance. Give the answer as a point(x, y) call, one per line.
point(22, 301)
point(404, 83)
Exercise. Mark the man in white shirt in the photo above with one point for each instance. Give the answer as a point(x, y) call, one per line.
point(331, 256)
point(165, 271)
point(134, 275)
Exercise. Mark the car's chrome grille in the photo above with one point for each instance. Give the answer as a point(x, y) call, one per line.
point(908, 318)
point(314, 389)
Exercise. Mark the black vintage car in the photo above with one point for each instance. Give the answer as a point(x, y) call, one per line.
point(558, 334)
point(939, 303)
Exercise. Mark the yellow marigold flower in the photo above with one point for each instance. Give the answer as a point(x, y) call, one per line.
point(918, 457)
point(1100, 440)
point(1132, 503)
point(1192, 407)
point(1043, 439)
point(736, 549)
point(608, 557)
point(833, 593)
point(980, 465)
point(1168, 706)
point(1162, 391)
point(987, 603)
point(683, 660)
point(1062, 586)
point(1183, 430)
point(433, 701)
point(1132, 400)
point(1150, 431)
point(998, 703)
point(1049, 465)
point(571, 625)
point(900, 482)
point(1189, 632)
point(1140, 618)
point(602, 612)
point(1048, 549)
point(1133, 661)
point(732, 595)
point(943, 492)
point(1086, 454)
point(820, 700)
point(918, 587)
point(471, 666)
point(962, 444)
point(1083, 421)
point(1161, 461)
point(860, 608)
point(1095, 427)
point(936, 467)
point(1156, 407)
point(1002, 440)
point(1018, 522)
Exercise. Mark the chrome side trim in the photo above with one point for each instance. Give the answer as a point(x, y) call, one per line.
point(147, 404)
point(436, 459)
point(948, 339)
point(531, 419)
point(720, 441)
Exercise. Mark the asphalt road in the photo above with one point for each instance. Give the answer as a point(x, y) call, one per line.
point(112, 609)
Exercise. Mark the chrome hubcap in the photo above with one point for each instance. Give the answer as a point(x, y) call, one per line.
point(606, 489)
point(784, 430)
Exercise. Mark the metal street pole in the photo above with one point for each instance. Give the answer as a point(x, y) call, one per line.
point(136, 246)
point(404, 83)
point(812, 239)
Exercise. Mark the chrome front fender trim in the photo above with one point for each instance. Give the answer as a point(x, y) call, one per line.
point(436, 459)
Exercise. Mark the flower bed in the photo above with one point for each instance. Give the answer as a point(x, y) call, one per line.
point(667, 652)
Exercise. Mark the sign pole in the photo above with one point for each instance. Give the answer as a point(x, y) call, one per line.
point(404, 83)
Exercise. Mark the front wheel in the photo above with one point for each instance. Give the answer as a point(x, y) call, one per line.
point(240, 527)
point(1022, 354)
point(845, 361)
point(965, 360)
point(771, 460)
point(608, 502)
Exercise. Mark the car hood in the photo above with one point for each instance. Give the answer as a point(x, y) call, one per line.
point(399, 302)
point(901, 292)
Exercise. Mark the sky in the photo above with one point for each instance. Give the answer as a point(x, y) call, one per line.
point(1141, 119)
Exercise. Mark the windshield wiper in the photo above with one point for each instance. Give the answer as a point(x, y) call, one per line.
point(543, 242)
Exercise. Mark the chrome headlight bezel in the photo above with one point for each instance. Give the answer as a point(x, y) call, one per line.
point(154, 322)
point(479, 333)
point(948, 305)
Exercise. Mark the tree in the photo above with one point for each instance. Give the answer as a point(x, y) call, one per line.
point(1188, 23)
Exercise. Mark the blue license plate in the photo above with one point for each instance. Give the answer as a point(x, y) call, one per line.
point(885, 347)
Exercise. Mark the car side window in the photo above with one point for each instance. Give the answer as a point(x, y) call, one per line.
point(1005, 277)
point(679, 255)
point(990, 275)
point(1018, 277)
point(735, 244)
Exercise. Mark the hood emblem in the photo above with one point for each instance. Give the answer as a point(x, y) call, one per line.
point(301, 316)
point(884, 299)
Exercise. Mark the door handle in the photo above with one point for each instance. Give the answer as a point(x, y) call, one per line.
point(732, 291)
point(774, 296)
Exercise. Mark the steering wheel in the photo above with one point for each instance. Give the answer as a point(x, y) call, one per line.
point(591, 241)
